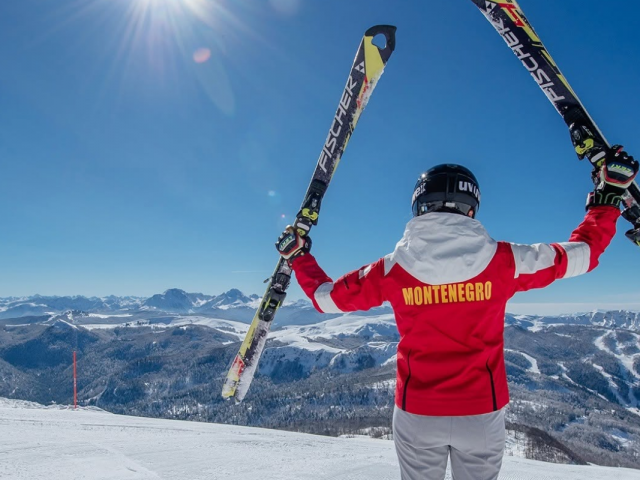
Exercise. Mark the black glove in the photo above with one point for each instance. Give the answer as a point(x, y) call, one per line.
point(292, 245)
point(614, 177)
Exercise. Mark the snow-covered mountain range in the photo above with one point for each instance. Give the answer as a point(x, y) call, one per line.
point(623, 319)
point(575, 377)
point(232, 305)
point(235, 305)
point(173, 300)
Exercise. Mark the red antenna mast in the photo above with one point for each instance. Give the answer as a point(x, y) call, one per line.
point(75, 383)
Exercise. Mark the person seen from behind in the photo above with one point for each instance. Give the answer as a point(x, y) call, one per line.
point(448, 283)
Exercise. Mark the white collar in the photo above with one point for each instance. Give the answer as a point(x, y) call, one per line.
point(439, 248)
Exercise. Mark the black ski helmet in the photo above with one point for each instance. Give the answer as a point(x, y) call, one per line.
point(446, 188)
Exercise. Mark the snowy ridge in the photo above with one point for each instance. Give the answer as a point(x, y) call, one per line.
point(26, 405)
point(235, 305)
point(238, 329)
point(98, 315)
point(348, 325)
point(611, 319)
point(311, 347)
point(61, 444)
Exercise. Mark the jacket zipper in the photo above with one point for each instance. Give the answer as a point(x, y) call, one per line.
point(406, 383)
point(493, 388)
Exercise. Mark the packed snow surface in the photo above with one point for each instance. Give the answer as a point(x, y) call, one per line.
point(38, 443)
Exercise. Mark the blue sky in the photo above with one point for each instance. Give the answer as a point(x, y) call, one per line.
point(149, 144)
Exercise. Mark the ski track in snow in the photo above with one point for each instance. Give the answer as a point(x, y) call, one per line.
point(534, 363)
point(612, 384)
point(38, 443)
point(567, 378)
point(626, 360)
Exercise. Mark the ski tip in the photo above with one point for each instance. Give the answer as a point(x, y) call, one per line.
point(231, 390)
point(389, 33)
point(226, 395)
point(232, 398)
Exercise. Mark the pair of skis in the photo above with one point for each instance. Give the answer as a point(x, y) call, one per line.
point(512, 25)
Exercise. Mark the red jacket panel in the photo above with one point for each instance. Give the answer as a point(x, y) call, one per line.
point(448, 283)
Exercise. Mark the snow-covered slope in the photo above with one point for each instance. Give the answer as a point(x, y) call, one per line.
point(40, 443)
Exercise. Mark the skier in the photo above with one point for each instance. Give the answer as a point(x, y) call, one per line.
point(448, 283)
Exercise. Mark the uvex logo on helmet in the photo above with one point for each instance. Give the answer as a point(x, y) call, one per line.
point(464, 186)
point(417, 192)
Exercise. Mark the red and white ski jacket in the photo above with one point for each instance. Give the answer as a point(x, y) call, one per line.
point(449, 282)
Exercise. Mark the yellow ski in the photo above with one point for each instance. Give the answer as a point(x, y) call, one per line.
point(365, 72)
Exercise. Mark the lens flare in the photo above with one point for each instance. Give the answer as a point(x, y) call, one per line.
point(201, 55)
point(184, 47)
point(285, 7)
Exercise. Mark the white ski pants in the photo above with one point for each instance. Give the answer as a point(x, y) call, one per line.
point(423, 444)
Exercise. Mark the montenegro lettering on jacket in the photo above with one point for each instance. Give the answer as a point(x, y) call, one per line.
point(449, 282)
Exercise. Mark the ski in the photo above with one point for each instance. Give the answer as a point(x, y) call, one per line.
point(508, 19)
point(365, 72)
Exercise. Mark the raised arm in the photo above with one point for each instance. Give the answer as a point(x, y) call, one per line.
point(538, 265)
point(357, 290)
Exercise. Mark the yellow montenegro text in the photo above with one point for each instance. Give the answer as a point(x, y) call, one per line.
point(449, 293)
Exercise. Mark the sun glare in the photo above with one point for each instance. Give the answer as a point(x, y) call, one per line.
point(179, 10)
point(203, 9)
point(174, 42)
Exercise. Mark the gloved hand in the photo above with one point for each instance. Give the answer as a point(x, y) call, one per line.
point(292, 245)
point(614, 177)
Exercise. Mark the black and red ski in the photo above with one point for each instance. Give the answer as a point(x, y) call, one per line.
point(510, 22)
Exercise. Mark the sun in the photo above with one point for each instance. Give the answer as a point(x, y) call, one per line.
point(152, 29)
point(203, 10)
point(173, 38)
point(182, 48)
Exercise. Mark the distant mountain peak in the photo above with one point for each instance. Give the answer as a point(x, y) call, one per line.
point(174, 291)
point(172, 300)
point(233, 292)
point(63, 324)
point(231, 297)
